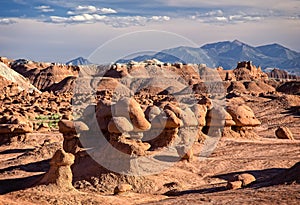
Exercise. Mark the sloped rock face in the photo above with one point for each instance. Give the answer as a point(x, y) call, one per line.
point(292, 88)
point(13, 81)
point(45, 75)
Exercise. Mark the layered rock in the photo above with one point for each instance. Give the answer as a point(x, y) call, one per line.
point(14, 128)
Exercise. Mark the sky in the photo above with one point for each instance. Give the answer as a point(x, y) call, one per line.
point(58, 31)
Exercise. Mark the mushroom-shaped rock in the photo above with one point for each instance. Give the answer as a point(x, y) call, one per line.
point(119, 125)
point(60, 172)
point(216, 117)
point(67, 126)
point(103, 113)
point(130, 108)
point(243, 116)
point(284, 133)
point(173, 108)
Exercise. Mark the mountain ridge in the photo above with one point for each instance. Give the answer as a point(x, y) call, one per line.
point(79, 61)
point(227, 53)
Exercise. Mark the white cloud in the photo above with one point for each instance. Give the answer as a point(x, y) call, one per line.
point(160, 18)
point(44, 9)
point(91, 10)
point(108, 11)
point(214, 13)
point(115, 21)
point(7, 21)
point(84, 18)
point(220, 17)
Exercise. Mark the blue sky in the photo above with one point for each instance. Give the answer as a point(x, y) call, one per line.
point(53, 30)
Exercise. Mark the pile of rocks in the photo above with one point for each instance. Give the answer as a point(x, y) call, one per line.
point(34, 105)
point(14, 128)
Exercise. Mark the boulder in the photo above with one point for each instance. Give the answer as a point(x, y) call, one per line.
point(151, 112)
point(234, 185)
point(188, 117)
point(245, 178)
point(284, 133)
point(172, 121)
point(243, 115)
point(122, 188)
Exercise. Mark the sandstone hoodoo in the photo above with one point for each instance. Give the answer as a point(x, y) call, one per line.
point(60, 173)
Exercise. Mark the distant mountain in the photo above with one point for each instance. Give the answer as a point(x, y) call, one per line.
point(228, 53)
point(79, 61)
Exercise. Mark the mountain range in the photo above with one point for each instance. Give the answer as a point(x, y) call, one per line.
point(227, 53)
point(79, 61)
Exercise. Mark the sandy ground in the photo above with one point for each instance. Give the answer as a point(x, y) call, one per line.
point(202, 181)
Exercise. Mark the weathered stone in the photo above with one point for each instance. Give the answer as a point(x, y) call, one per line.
point(245, 178)
point(122, 188)
point(284, 133)
point(234, 185)
point(67, 126)
point(60, 173)
point(200, 113)
point(243, 116)
point(129, 146)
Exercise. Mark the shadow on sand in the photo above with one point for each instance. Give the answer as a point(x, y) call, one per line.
point(9, 185)
point(16, 151)
point(260, 175)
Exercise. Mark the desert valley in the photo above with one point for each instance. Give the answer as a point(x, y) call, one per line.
point(148, 132)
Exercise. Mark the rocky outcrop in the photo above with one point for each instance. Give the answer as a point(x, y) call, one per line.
point(71, 133)
point(292, 88)
point(44, 75)
point(281, 74)
point(14, 128)
point(248, 71)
